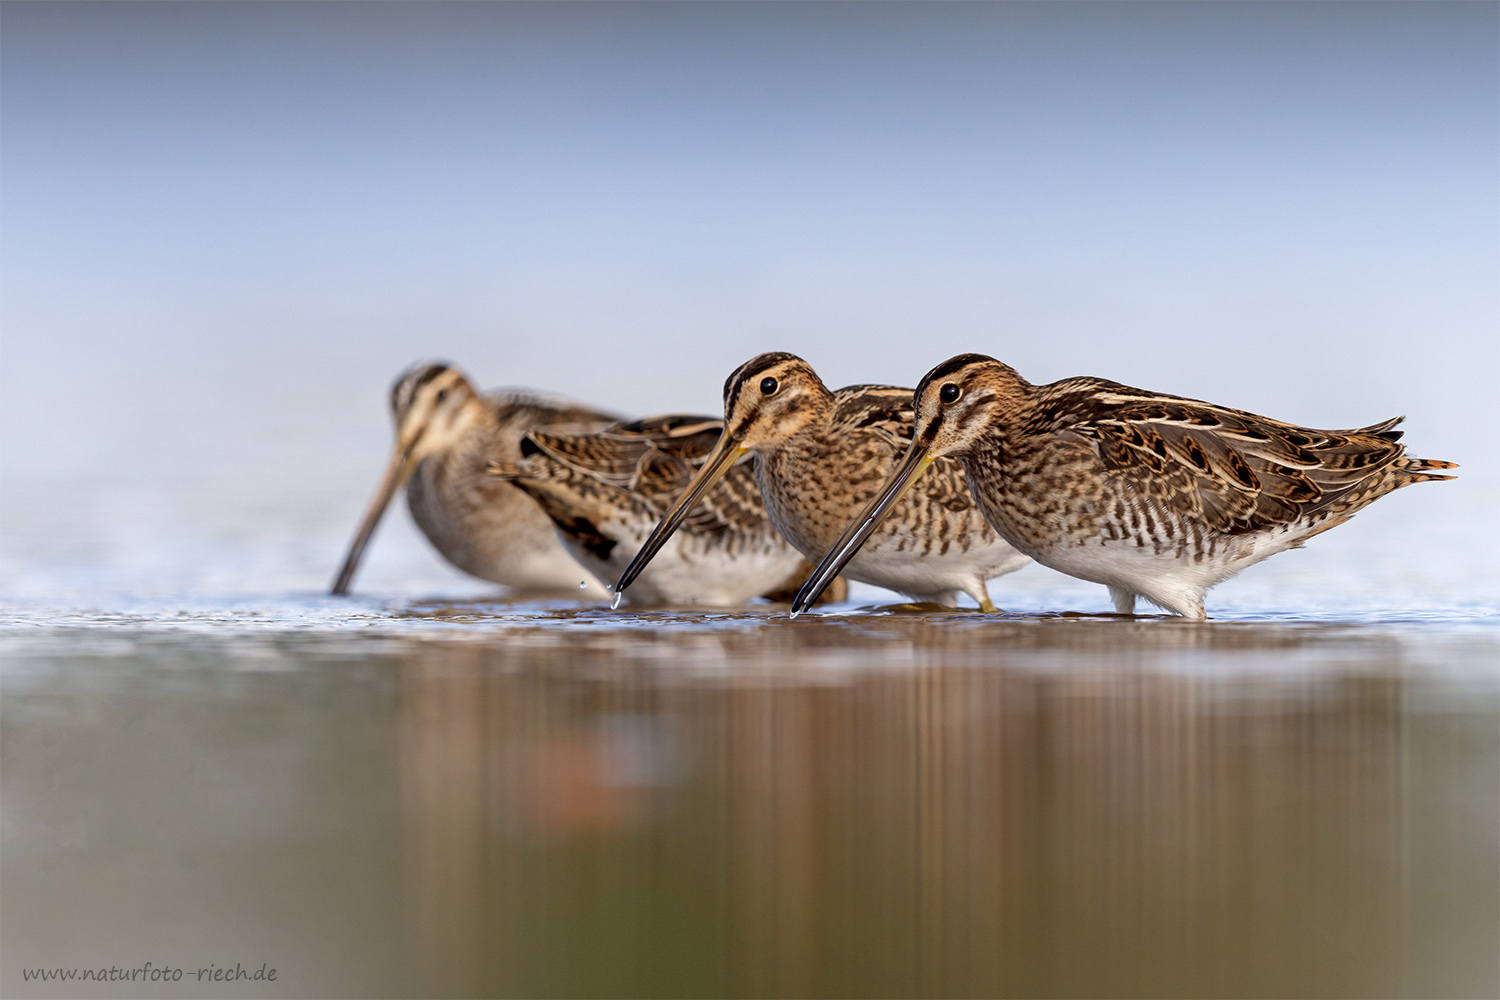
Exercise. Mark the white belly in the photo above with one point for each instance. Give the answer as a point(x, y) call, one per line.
point(881, 563)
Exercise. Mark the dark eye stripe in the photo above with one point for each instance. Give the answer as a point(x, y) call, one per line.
point(405, 391)
point(746, 373)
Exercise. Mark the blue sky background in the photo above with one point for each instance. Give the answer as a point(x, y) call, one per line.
point(225, 228)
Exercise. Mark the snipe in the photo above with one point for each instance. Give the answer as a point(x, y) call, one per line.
point(819, 456)
point(446, 436)
point(1152, 495)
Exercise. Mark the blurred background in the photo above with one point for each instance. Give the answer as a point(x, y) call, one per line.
point(228, 227)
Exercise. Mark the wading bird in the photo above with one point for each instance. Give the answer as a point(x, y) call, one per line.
point(819, 456)
point(1152, 495)
point(446, 436)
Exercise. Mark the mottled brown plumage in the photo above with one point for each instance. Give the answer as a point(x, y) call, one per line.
point(446, 436)
point(605, 490)
point(1155, 496)
point(819, 455)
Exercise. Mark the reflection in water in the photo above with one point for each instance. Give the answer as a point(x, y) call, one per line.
point(582, 804)
point(989, 811)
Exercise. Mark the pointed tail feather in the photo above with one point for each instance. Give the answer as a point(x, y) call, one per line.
point(1416, 470)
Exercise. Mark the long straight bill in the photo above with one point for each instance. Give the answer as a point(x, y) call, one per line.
point(913, 464)
point(396, 473)
point(719, 461)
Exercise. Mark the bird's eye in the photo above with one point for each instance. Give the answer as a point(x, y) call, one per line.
point(949, 393)
point(442, 395)
point(767, 386)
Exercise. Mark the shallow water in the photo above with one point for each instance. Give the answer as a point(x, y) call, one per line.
point(461, 797)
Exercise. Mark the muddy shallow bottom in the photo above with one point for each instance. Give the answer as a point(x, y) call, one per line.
point(482, 798)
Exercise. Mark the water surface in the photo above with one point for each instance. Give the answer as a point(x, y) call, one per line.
point(432, 798)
